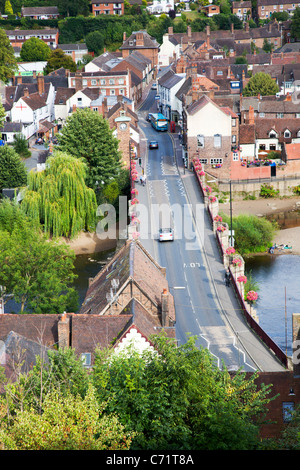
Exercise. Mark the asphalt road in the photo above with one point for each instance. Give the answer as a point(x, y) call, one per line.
point(197, 308)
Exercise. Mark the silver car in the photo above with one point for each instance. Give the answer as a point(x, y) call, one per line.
point(166, 234)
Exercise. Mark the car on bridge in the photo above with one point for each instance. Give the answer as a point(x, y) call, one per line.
point(166, 234)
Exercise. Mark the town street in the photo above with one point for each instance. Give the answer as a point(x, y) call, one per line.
point(204, 306)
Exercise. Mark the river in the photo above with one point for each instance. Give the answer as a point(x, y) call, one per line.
point(278, 278)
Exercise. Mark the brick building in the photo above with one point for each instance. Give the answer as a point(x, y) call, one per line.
point(17, 37)
point(108, 7)
point(243, 9)
point(142, 42)
point(265, 8)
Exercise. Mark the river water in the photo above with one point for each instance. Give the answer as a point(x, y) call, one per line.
point(278, 278)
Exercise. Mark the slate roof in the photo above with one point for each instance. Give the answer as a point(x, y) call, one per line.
point(63, 94)
point(130, 264)
point(264, 126)
point(34, 11)
point(149, 42)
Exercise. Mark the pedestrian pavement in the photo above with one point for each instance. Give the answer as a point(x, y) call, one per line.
point(225, 297)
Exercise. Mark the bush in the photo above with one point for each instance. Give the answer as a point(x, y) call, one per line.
point(252, 234)
point(268, 191)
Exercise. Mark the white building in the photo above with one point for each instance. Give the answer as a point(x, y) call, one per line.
point(168, 85)
point(161, 6)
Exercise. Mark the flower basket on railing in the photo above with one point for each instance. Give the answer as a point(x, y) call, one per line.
point(237, 262)
point(207, 189)
point(221, 228)
point(218, 218)
point(230, 251)
point(252, 297)
point(242, 279)
point(134, 201)
point(212, 199)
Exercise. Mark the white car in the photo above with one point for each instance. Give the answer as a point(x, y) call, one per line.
point(166, 234)
point(154, 86)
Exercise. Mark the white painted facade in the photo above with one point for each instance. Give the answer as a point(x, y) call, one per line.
point(209, 121)
point(168, 52)
point(133, 340)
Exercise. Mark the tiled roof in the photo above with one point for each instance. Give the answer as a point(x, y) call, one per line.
point(33, 11)
point(264, 126)
point(149, 42)
point(34, 101)
point(247, 134)
point(130, 264)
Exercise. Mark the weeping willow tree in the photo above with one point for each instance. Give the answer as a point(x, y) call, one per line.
point(59, 198)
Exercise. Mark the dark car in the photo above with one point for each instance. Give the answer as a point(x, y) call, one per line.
point(153, 144)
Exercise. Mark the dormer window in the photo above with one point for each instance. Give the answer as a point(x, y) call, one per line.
point(287, 134)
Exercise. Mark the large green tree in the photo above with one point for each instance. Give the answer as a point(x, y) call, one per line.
point(13, 173)
point(261, 83)
point(295, 27)
point(87, 135)
point(38, 272)
point(59, 199)
point(59, 59)
point(180, 399)
point(34, 50)
point(8, 61)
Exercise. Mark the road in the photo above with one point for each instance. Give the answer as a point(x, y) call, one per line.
point(197, 307)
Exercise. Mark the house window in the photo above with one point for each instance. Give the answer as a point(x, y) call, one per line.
point(121, 91)
point(86, 359)
point(111, 81)
point(102, 81)
point(215, 161)
point(84, 82)
point(112, 92)
point(203, 160)
point(272, 135)
point(217, 141)
point(79, 101)
point(200, 140)
point(287, 134)
point(279, 115)
point(95, 109)
point(94, 82)
point(121, 81)
point(233, 122)
point(287, 411)
point(233, 139)
point(235, 157)
point(219, 72)
point(261, 114)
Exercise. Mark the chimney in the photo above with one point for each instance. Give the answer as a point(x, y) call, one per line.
point(63, 329)
point(74, 108)
point(34, 74)
point(288, 97)
point(139, 39)
point(25, 92)
point(189, 31)
point(251, 115)
point(164, 307)
point(232, 28)
point(104, 107)
point(19, 79)
point(40, 84)
point(207, 30)
point(78, 81)
point(247, 27)
point(124, 36)
point(170, 30)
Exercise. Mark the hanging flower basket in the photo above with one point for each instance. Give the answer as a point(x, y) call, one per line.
point(221, 228)
point(208, 189)
point(212, 198)
point(135, 235)
point(134, 201)
point(134, 191)
point(135, 221)
point(252, 296)
point(218, 218)
point(202, 173)
point(230, 251)
point(237, 262)
point(242, 279)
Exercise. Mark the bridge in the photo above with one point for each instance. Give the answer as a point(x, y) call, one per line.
point(205, 307)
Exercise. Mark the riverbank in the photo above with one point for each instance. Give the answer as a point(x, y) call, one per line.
point(269, 207)
point(87, 243)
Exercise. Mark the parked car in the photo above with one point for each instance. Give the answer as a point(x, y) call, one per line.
point(166, 234)
point(153, 144)
point(154, 86)
point(148, 118)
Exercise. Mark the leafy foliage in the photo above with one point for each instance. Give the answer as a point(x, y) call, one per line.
point(21, 146)
point(252, 234)
point(87, 135)
point(13, 173)
point(261, 83)
point(179, 399)
point(59, 59)
point(8, 62)
point(59, 199)
point(38, 272)
point(34, 49)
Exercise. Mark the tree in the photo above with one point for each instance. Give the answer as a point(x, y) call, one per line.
point(34, 50)
point(179, 398)
point(2, 114)
point(59, 199)
point(13, 173)
point(59, 59)
point(295, 26)
point(66, 422)
point(94, 42)
point(87, 135)
point(261, 83)
point(21, 146)
point(8, 8)
point(38, 272)
point(73, 7)
point(8, 61)
point(268, 46)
